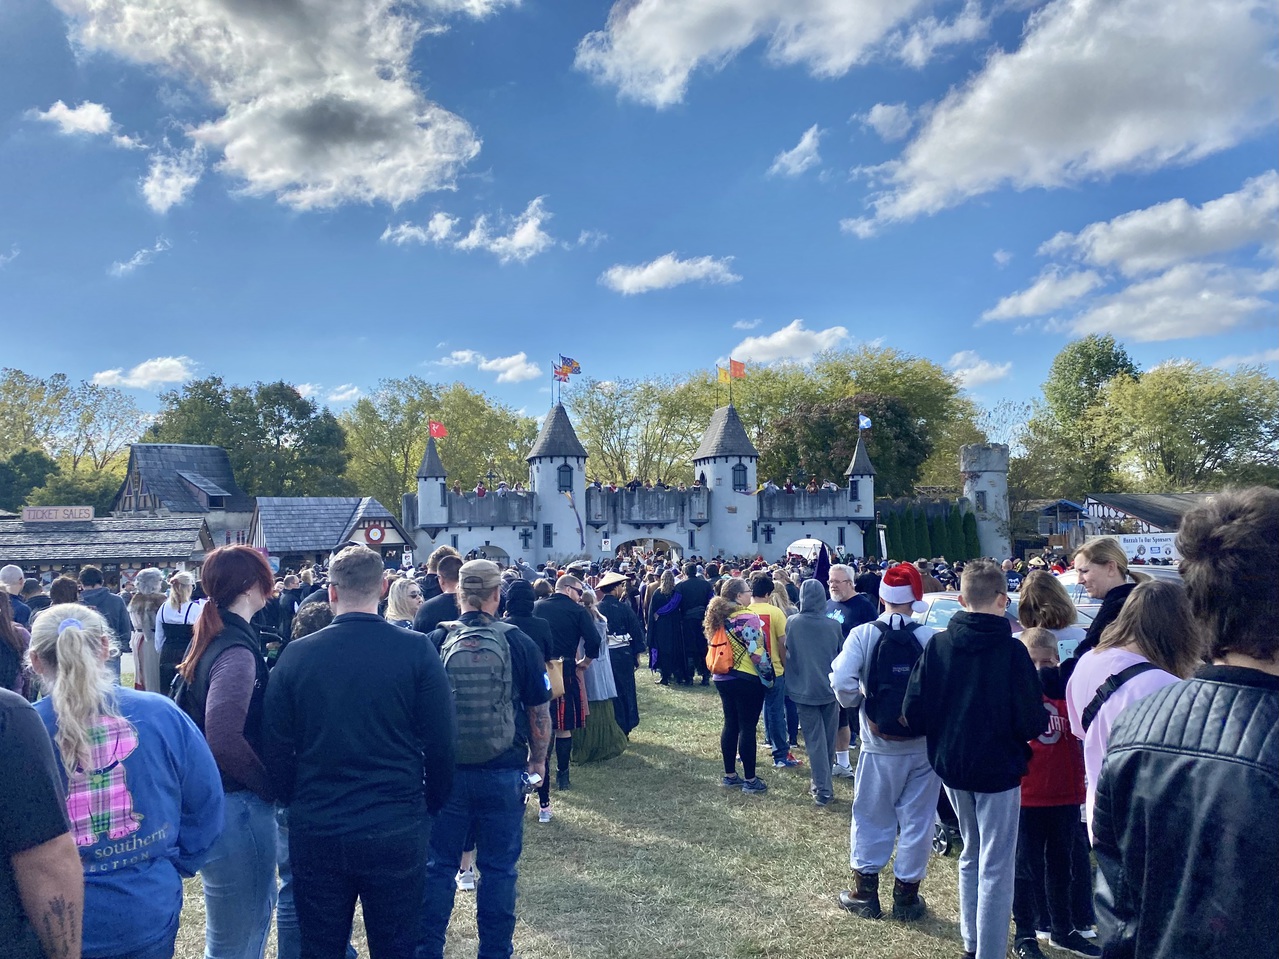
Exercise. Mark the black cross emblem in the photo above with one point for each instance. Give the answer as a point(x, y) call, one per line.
point(768, 530)
point(526, 537)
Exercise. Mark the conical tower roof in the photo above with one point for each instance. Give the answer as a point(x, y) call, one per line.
point(861, 464)
point(431, 465)
point(725, 436)
point(558, 437)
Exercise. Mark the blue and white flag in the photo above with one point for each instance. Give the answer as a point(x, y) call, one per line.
point(863, 421)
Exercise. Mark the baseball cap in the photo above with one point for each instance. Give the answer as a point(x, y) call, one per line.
point(479, 575)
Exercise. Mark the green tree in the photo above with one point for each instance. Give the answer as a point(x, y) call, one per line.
point(96, 426)
point(21, 473)
point(1080, 372)
point(954, 534)
point(972, 542)
point(893, 534)
point(30, 409)
point(280, 443)
point(85, 488)
point(1186, 427)
point(936, 536)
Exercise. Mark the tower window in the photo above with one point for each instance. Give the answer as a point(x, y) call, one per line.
point(854, 488)
point(981, 501)
point(739, 477)
point(565, 473)
point(548, 536)
point(692, 539)
point(444, 495)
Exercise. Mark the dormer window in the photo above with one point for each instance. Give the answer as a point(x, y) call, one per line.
point(565, 474)
point(217, 502)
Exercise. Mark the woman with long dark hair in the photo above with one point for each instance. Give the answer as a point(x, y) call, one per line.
point(227, 676)
point(13, 650)
point(138, 776)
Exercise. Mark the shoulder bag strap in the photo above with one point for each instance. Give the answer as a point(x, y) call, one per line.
point(1109, 688)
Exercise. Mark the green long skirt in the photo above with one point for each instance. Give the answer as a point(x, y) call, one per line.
point(601, 739)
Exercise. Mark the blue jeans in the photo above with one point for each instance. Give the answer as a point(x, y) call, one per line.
point(288, 936)
point(987, 867)
point(383, 869)
point(491, 802)
point(775, 717)
point(239, 880)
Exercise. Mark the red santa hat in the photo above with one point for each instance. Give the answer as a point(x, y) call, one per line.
point(902, 584)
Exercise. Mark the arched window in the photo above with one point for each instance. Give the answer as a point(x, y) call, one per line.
point(566, 478)
point(739, 476)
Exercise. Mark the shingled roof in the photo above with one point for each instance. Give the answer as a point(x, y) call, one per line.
point(431, 465)
point(725, 436)
point(558, 438)
point(861, 464)
point(1160, 510)
point(315, 524)
point(167, 468)
point(149, 538)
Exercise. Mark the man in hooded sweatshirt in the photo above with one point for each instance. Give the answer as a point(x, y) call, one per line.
point(812, 643)
point(976, 697)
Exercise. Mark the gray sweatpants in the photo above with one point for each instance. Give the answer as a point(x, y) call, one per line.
point(987, 867)
point(820, 724)
point(894, 801)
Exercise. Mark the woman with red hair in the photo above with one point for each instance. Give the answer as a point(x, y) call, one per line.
point(227, 676)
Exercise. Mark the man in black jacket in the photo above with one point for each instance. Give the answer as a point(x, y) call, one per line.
point(359, 738)
point(442, 608)
point(571, 625)
point(695, 596)
point(1184, 824)
point(976, 697)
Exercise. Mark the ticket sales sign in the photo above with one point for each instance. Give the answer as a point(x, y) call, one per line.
point(56, 514)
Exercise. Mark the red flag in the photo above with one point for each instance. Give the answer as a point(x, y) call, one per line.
point(437, 429)
point(737, 369)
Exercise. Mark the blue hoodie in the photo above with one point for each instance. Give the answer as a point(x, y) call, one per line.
point(145, 819)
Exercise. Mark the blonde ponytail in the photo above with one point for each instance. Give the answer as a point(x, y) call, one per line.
point(66, 643)
point(180, 587)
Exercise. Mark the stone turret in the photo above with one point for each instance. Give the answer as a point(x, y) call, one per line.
point(730, 463)
point(556, 467)
point(861, 483)
point(432, 489)
point(984, 467)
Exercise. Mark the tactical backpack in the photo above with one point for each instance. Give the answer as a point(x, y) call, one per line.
point(477, 659)
point(891, 662)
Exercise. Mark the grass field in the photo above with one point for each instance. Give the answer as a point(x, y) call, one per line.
point(648, 857)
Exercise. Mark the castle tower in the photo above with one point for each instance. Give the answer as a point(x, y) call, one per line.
point(557, 466)
point(730, 462)
point(432, 489)
point(861, 497)
point(984, 467)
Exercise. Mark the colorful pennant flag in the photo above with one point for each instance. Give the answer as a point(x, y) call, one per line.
point(863, 421)
point(737, 369)
point(437, 429)
point(569, 365)
point(723, 374)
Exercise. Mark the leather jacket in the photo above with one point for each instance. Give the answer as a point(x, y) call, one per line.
point(1185, 827)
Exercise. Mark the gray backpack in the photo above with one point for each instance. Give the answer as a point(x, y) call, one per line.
point(477, 660)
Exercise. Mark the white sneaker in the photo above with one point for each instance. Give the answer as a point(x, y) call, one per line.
point(544, 814)
point(1043, 935)
point(842, 772)
point(466, 880)
point(1088, 933)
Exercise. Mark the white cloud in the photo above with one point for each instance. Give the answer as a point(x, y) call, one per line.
point(1052, 290)
point(791, 342)
point(307, 390)
point(139, 259)
point(7, 258)
point(649, 48)
point(1002, 258)
point(522, 237)
point(509, 369)
point(1191, 299)
point(916, 45)
point(1251, 359)
point(972, 371)
point(316, 103)
point(150, 373)
point(1160, 236)
point(1095, 89)
point(803, 156)
point(746, 324)
point(667, 271)
point(87, 119)
point(591, 239)
point(891, 121)
point(172, 177)
point(346, 393)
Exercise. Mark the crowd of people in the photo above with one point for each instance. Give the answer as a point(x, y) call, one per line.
point(350, 733)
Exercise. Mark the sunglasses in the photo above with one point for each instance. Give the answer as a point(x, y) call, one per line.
point(415, 595)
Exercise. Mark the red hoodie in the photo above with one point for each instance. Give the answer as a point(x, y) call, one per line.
point(1055, 776)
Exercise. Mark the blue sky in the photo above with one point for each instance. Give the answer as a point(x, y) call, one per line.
point(336, 191)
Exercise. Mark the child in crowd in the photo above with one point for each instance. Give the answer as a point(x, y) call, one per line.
point(1051, 793)
point(975, 696)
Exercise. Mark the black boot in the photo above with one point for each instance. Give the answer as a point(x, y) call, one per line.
point(908, 904)
point(863, 900)
point(563, 752)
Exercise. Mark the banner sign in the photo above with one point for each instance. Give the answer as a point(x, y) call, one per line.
point(56, 514)
point(1143, 548)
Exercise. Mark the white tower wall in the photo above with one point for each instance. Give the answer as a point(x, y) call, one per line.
point(984, 467)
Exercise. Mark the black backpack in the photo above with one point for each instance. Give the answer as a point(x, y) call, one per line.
point(891, 662)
